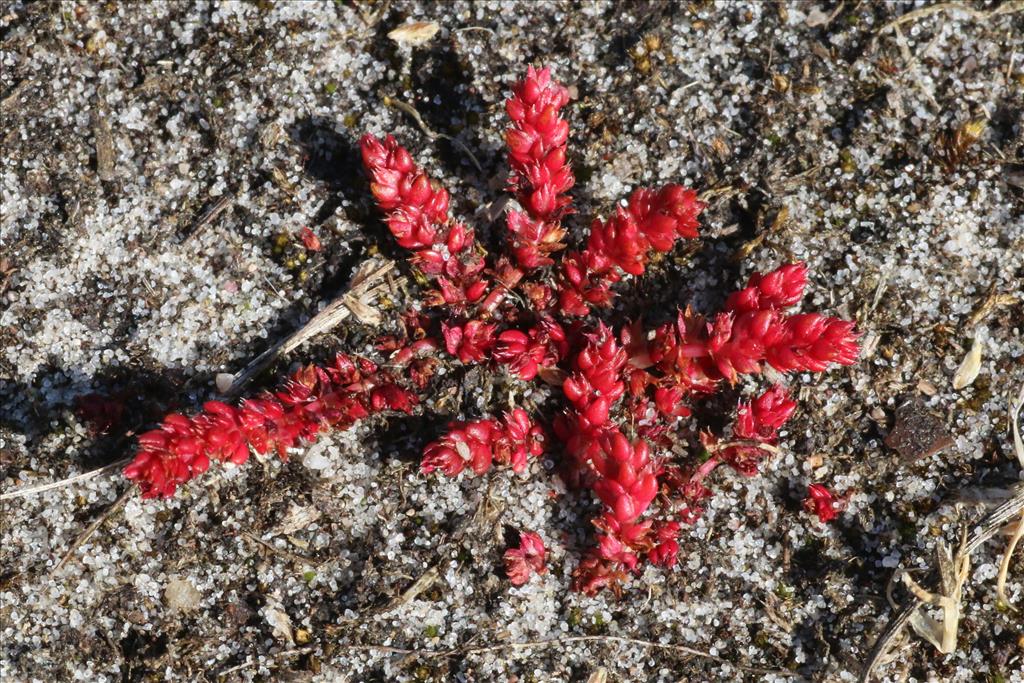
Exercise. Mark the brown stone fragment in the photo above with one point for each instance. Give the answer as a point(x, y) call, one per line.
point(917, 433)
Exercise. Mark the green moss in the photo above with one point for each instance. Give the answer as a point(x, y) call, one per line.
point(846, 161)
point(908, 530)
point(982, 387)
point(583, 174)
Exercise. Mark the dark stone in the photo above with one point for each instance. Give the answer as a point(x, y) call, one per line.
point(917, 433)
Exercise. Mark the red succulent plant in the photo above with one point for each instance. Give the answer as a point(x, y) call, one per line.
point(628, 393)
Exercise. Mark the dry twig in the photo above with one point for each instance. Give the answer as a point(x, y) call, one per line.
point(1018, 442)
point(1004, 566)
point(568, 640)
point(993, 300)
point(106, 469)
point(274, 550)
point(364, 285)
point(87, 534)
point(279, 655)
point(210, 215)
point(979, 15)
point(953, 571)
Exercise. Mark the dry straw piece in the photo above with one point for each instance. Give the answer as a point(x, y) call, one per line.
point(970, 366)
point(953, 572)
point(416, 33)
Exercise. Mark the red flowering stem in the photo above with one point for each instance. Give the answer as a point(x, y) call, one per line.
point(594, 386)
point(417, 215)
point(312, 400)
point(626, 482)
point(700, 354)
point(651, 222)
point(622, 474)
point(478, 444)
point(541, 176)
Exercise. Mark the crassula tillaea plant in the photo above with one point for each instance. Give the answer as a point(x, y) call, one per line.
point(536, 312)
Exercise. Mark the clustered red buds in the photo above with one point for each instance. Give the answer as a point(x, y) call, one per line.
point(627, 392)
point(757, 423)
point(700, 353)
point(526, 560)
point(525, 353)
point(781, 288)
point(478, 444)
point(651, 221)
point(541, 175)
point(312, 400)
point(417, 215)
point(470, 341)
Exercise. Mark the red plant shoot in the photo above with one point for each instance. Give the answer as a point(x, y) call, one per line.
point(528, 559)
point(823, 503)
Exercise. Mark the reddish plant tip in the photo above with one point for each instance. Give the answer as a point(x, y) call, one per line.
point(761, 419)
point(701, 353)
point(627, 483)
point(478, 444)
point(823, 503)
point(540, 176)
point(416, 211)
point(780, 288)
point(310, 240)
point(527, 559)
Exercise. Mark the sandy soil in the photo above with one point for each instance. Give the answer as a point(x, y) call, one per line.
point(159, 163)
